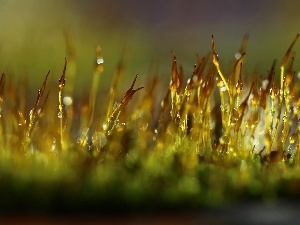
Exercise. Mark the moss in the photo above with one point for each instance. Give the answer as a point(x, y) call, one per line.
point(214, 140)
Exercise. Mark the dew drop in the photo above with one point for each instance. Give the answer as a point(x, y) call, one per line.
point(100, 61)
point(59, 115)
point(195, 78)
point(223, 88)
point(293, 138)
point(264, 84)
point(99, 140)
point(67, 100)
point(284, 118)
point(104, 126)
point(234, 117)
point(237, 55)
point(53, 144)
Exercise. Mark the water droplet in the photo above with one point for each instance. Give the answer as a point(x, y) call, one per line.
point(264, 84)
point(223, 88)
point(162, 104)
point(100, 60)
point(99, 140)
point(81, 141)
point(234, 117)
point(104, 126)
point(237, 55)
point(67, 100)
point(53, 144)
point(195, 78)
point(293, 138)
point(284, 118)
point(59, 115)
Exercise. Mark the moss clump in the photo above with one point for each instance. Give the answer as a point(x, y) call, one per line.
point(215, 140)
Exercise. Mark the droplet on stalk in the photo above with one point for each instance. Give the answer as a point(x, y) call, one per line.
point(67, 100)
point(237, 55)
point(99, 140)
point(59, 115)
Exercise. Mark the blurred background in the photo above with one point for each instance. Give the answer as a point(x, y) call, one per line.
point(32, 37)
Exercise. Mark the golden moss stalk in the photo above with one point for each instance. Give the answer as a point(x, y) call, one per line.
point(216, 63)
point(61, 84)
point(114, 116)
point(95, 83)
point(33, 113)
point(114, 86)
point(282, 67)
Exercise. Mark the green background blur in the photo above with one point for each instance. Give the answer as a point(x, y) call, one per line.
point(32, 35)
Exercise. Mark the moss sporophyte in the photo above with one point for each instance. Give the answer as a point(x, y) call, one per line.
point(214, 139)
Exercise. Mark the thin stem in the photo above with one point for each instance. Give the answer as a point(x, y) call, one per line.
point(61, 84)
